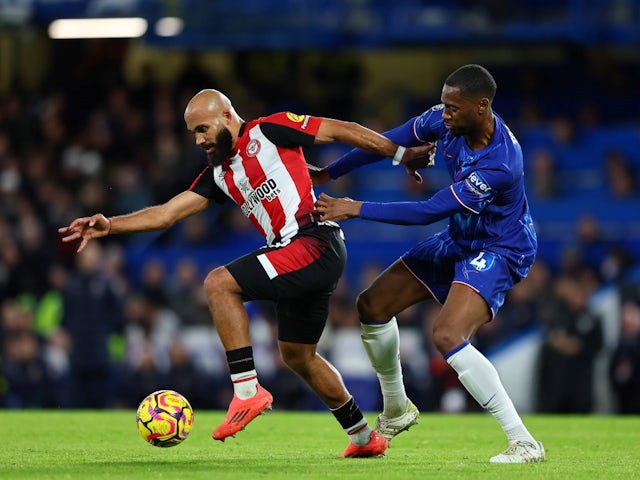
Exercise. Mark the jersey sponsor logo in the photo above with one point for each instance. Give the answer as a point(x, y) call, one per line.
point(253, 148)
point(267, 190)
point(477, 184)
point(295, 118)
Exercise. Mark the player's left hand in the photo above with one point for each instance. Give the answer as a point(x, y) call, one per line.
point(318, 175)
point(335, 209)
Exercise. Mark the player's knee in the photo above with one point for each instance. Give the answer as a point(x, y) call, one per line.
point(213, 283)
point(445, 338)
point(368, 309)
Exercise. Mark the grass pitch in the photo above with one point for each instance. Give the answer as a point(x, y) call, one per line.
point(52, 444)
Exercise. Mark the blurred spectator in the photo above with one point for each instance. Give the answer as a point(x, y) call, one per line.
point(544, 182)
point(207, 356)
point(11, 269)
point(186, 296)
point(625, 361)
point(153, 282)
point(151, 328)
point(194, 77)
point(590, 249)
point(572, 339)
point(590, 242)
point(563, 133)
point(92, 314)
point(26, 256)
point(142, 378)
point(131, 193)
point(48, 310)
point(620, 175)
point(24, 375)
point(182, 375)
point(529, 115)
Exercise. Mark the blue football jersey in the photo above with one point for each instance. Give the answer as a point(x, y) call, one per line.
point(489, 184)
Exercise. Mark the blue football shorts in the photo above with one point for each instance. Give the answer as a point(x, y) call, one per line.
point(438, 262)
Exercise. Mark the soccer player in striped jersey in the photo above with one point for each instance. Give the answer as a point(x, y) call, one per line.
point(260, 165)
point(488, 246)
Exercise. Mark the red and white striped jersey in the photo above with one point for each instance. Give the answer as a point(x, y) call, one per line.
point(267, 175)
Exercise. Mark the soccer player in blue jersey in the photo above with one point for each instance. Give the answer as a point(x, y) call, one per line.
point(488, 246)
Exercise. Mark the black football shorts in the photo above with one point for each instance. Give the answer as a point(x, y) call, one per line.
point(299, 277)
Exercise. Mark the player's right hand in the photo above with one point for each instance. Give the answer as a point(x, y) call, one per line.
point(336, 209)
point(86, 228)
point(415, 158)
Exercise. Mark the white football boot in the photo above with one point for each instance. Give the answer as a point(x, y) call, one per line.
point(521, 452)
point(390, 427)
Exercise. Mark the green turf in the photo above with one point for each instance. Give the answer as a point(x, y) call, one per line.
point(297, 445)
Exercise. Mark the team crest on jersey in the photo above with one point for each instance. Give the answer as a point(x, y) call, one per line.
point(295, 118)
point(483, 261)
point(253, 148)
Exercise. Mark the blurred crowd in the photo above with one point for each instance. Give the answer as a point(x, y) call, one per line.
point(85, 331)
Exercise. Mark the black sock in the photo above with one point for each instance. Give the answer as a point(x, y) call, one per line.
point(348, 415)
point(240, 360)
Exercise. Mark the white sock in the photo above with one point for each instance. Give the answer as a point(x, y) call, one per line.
point(245, 384)
point(382, 343)
point(360, 433)
point(481, 379)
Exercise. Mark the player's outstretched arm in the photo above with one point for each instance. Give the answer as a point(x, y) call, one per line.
point(157, 217)
point(365, 139)
point(337, 208)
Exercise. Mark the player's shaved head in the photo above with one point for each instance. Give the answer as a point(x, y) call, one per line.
point(209, 100)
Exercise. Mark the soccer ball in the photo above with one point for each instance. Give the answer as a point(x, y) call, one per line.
point(164, 418)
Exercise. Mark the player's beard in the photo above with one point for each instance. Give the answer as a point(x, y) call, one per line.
point(221, 148)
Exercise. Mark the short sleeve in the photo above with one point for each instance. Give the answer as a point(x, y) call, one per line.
point(205, 186)
point(289, 130)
